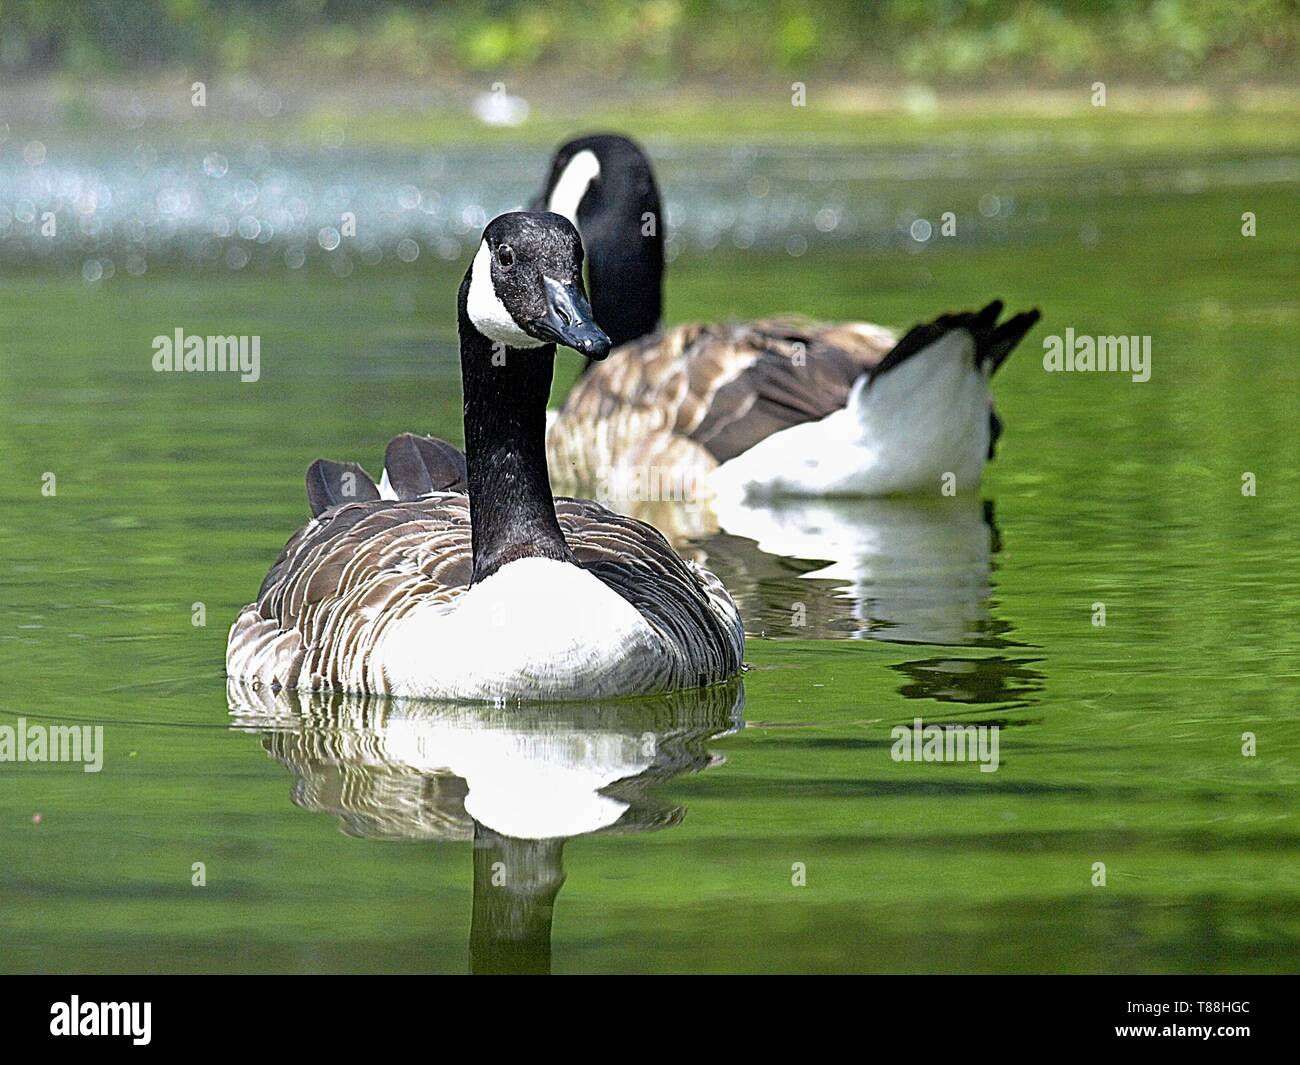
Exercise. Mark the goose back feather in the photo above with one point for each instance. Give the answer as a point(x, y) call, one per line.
point(350, 575)
point(330, 484)
point(417, 465)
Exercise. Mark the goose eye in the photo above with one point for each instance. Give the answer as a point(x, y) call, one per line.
point(505, 256)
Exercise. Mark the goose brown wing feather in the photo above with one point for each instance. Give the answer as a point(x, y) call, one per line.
point(342, 579)
point(351, 572)
point(687, 606)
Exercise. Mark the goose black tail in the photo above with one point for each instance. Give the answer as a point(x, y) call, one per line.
point(1001, 340)
point(418, 465)
point(330, 484)
point(993, 341)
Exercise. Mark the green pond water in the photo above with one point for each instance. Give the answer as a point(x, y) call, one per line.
point(755, 828)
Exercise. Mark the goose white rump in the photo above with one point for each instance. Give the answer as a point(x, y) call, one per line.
point(899, 433)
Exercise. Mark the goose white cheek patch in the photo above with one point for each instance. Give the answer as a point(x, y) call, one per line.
point(486, 310)
point(574, 182)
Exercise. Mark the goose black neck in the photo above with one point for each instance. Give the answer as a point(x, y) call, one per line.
point(626, 290)
point(511, 509)
point(622, 231)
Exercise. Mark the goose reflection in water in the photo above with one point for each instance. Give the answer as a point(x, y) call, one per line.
point(517, 781)
point(905, 570)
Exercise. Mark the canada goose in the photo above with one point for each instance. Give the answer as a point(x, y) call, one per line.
point(767, 408)
point(501, 592)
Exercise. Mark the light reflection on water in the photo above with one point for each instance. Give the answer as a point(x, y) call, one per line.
point(237, 206)
point(107, 207)
point(903, 570)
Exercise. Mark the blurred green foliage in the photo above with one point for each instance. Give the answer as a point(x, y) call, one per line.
point(933, 40)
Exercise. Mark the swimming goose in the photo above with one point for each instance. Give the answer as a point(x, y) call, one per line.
point(766, 408)
point(501, 592)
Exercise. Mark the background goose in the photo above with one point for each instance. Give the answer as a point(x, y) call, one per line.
point(776, 406)
point(502, 592)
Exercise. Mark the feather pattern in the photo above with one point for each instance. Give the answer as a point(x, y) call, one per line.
point(332, 483)
point(416, 465)
point(352, 574)
point(713, 409)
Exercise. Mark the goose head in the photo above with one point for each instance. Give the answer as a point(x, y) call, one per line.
point(524, 288)
point(603, 183)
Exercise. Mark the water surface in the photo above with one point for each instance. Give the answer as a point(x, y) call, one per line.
point(346, 837)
